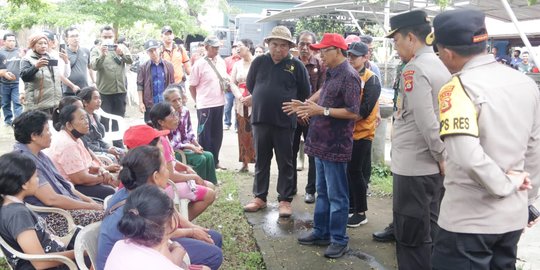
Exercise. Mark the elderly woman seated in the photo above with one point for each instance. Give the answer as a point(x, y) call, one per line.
point(73, 160)
point(33, 136)
point(93, 140)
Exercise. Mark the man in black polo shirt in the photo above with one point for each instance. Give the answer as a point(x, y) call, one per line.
point(274, 78)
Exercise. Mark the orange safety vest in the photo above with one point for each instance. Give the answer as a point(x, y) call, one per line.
point(365, 128)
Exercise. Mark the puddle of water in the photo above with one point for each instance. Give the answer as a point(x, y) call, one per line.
point(275, 226)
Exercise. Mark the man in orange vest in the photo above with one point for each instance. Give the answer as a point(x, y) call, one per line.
point(359, 168)
point(175, 54)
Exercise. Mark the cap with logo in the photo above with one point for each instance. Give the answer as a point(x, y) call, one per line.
point(141, 135)
point(212, 41)
point(358, 49)
point(411, 18)
point(460, 27)
point(166, 29)
point(330, 40)
point(151, 44)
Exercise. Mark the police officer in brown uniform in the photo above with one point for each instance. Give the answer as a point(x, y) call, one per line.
point(417, 150)
point(490, 123)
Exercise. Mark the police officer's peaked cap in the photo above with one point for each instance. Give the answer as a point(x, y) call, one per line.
point(411, 18)
point(460, 27)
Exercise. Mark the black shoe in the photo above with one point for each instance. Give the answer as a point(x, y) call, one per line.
point(309, 198)
point(335, 251)
point(356, 220)
point(387, 235)
point(310, 240)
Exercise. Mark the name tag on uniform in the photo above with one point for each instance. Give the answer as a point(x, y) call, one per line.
point(458, 114)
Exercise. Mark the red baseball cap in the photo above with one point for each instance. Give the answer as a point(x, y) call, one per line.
point(352, 38)
point(142, 135)
point(330, 40)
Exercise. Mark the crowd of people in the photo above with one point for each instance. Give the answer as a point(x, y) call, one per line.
point(451, 145)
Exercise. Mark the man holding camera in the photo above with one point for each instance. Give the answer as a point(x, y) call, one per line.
point(109, 61)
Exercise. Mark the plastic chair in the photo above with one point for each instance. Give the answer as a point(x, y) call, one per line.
point(87, 241)
point(72, 227)
point(111, 136)
point(181, 205)
point(37, 257)
point(106, 201)
point(183, 157)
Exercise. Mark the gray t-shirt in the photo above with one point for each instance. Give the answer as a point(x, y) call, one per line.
point(16, 218)
point(12, 62)
point(79, 61)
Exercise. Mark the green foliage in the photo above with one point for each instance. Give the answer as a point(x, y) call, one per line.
point(322, 24)
point(121, 14)
point(381, 180)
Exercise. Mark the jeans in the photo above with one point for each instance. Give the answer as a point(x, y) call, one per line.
point(229, 97)
point(10, 93)
point(332, 204)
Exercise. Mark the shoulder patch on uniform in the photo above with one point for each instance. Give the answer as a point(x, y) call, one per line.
point(458, 114)
point(408, 80)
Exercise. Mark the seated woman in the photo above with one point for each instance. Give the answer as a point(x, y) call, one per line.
point(147, 223)
point(21, 228)
point(32, 134)
point(97, 161)
point(93, 140)
point(73, 160)
point(188, 184)
point(183, 137)
point(145, 165)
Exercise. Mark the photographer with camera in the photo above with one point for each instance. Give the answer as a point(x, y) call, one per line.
point(109, 61)
point(41, 76)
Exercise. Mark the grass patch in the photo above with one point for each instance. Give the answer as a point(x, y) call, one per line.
point(3, 264)
point(381, 180)
point(226, 215)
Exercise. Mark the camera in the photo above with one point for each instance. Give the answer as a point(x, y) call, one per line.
point(533, 213)
point(112, 47)
point(63, 47)
point(110, 44)
point(52, 62)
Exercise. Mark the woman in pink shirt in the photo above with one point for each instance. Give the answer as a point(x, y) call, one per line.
point(73, 160)
point(149, 220)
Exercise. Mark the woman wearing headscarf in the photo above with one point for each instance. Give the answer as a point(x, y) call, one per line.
point(41, 76)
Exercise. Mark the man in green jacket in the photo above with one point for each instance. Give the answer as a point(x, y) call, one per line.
point(109, 61)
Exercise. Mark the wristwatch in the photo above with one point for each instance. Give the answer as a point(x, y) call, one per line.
point(326, 111)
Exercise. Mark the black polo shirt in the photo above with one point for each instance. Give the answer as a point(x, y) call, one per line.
point(272, 84)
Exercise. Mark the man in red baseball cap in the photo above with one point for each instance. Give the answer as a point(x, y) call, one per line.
point(332, 110)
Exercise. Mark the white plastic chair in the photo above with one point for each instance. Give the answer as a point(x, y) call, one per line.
point(37, 257)
point(181, 205)
point(87, 240)
point(72, 227)
point(111, 136)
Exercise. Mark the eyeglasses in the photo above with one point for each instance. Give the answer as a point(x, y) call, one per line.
point(354, 57)
point(326, 50)
point(73, 36)
point(302, 44)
